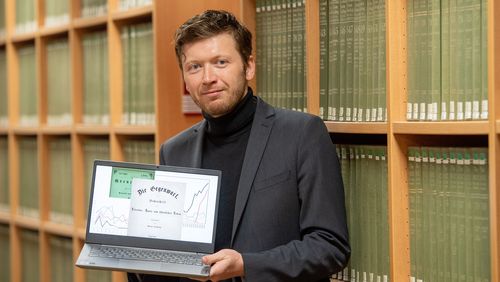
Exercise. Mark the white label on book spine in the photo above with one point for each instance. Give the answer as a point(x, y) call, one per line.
point(475, 110)
point(484, 109)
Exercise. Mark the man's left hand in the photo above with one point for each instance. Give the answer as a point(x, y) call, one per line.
point(225, 264)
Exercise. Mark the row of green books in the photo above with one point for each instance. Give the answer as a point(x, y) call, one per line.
point(5, 253)
point(4, 175)
point(364, 173)
point(25, 16)
point(56, 12)
point(61, 186)
point(28, 98)
point(58, 82)
point(95, 78)
point(61, 259)
point(93, 149)
point(449, 214)
point(28, 177)
point(3, 88)
point(129, 4)
point(93, 8)
point(138, 74)
point(2, 20)
point(353, 60)
point(281, 60)
point(139, 151)
point(30, 256)
point(447, 60)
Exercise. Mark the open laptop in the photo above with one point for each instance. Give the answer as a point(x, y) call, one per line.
point(151, 219)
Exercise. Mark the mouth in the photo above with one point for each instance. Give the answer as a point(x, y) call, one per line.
point(214, 92)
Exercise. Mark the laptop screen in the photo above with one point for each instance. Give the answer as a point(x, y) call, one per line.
point(153, 206)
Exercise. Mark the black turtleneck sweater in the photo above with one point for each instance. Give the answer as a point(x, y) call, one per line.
point(224, 148)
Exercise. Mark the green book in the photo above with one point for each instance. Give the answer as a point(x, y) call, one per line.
point(30, 258)
point(334, 27)
point(28, 98)
point(454, 59)
point(4, 118)
point(4, 175)
point(381, 71)
point(468, 216)
point(433, 111)
point(445, 59)
point(323, 58)
point(476, 59)
point(454, 215)
point(5, 254)
point(61, 193)
point(412, 190)
point(28, 177)
point(361, 98)
point(484, 59)
point(346, 100)
point(58, 86)
point(484, 218)
point(411, 69)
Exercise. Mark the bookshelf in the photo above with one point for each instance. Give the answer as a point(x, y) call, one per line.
point(165, 16)
point(41, 231)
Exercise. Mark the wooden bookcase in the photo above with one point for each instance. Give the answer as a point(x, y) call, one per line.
point(166, 16)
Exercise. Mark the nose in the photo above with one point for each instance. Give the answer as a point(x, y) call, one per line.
point(208, 75)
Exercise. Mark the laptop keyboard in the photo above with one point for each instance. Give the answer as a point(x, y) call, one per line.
point(145, 254)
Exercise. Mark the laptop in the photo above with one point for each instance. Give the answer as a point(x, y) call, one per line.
point(151, 219)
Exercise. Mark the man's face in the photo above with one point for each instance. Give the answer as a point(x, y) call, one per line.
point(214, 73)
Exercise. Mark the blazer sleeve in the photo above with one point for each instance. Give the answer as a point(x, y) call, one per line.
point(324, 247)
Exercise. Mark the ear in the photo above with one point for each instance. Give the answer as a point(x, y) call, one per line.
point(250, 71)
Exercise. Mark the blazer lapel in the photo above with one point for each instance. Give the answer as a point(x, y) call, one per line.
point(196, 146)
point(261, 128)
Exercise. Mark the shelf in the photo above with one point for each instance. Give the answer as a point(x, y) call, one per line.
point(134, 129)
point(442, 128)
point(54, 30)
point(58, 229)
point(23, 37)
point(135, 13)
point(4, 130)
point(82, 23)
point(25, 130)
point(27, 222)
point(357, 127)
point(4, 217)
point(92, 129)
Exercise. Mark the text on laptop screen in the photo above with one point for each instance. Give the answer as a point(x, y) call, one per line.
point(153, 204)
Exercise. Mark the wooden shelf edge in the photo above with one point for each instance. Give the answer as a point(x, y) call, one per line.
point(442, 128)
point(134, 129)
point(497, 126)
point(357, 127)
point(4, 217)
point(82, 23)
point(133, 13)
point(4, 130)
point(27, 222)
point(23, 37)
point(58, 229)
point(25, 130)
point(54, 30)
point(92, 129)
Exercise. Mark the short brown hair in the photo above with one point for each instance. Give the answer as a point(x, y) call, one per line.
point(211, 23)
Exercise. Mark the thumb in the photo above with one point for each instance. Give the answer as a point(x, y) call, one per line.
point(213, 258)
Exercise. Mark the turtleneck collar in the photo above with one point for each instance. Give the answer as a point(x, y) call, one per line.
point(234, 121)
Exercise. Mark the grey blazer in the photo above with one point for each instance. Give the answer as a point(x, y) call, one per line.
point(289, 222)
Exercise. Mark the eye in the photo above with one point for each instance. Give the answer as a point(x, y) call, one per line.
point(222, 62)
point(193, 67)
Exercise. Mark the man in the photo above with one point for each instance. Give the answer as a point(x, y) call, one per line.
point(282, 214)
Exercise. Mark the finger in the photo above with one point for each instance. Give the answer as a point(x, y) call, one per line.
point(213, 258)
